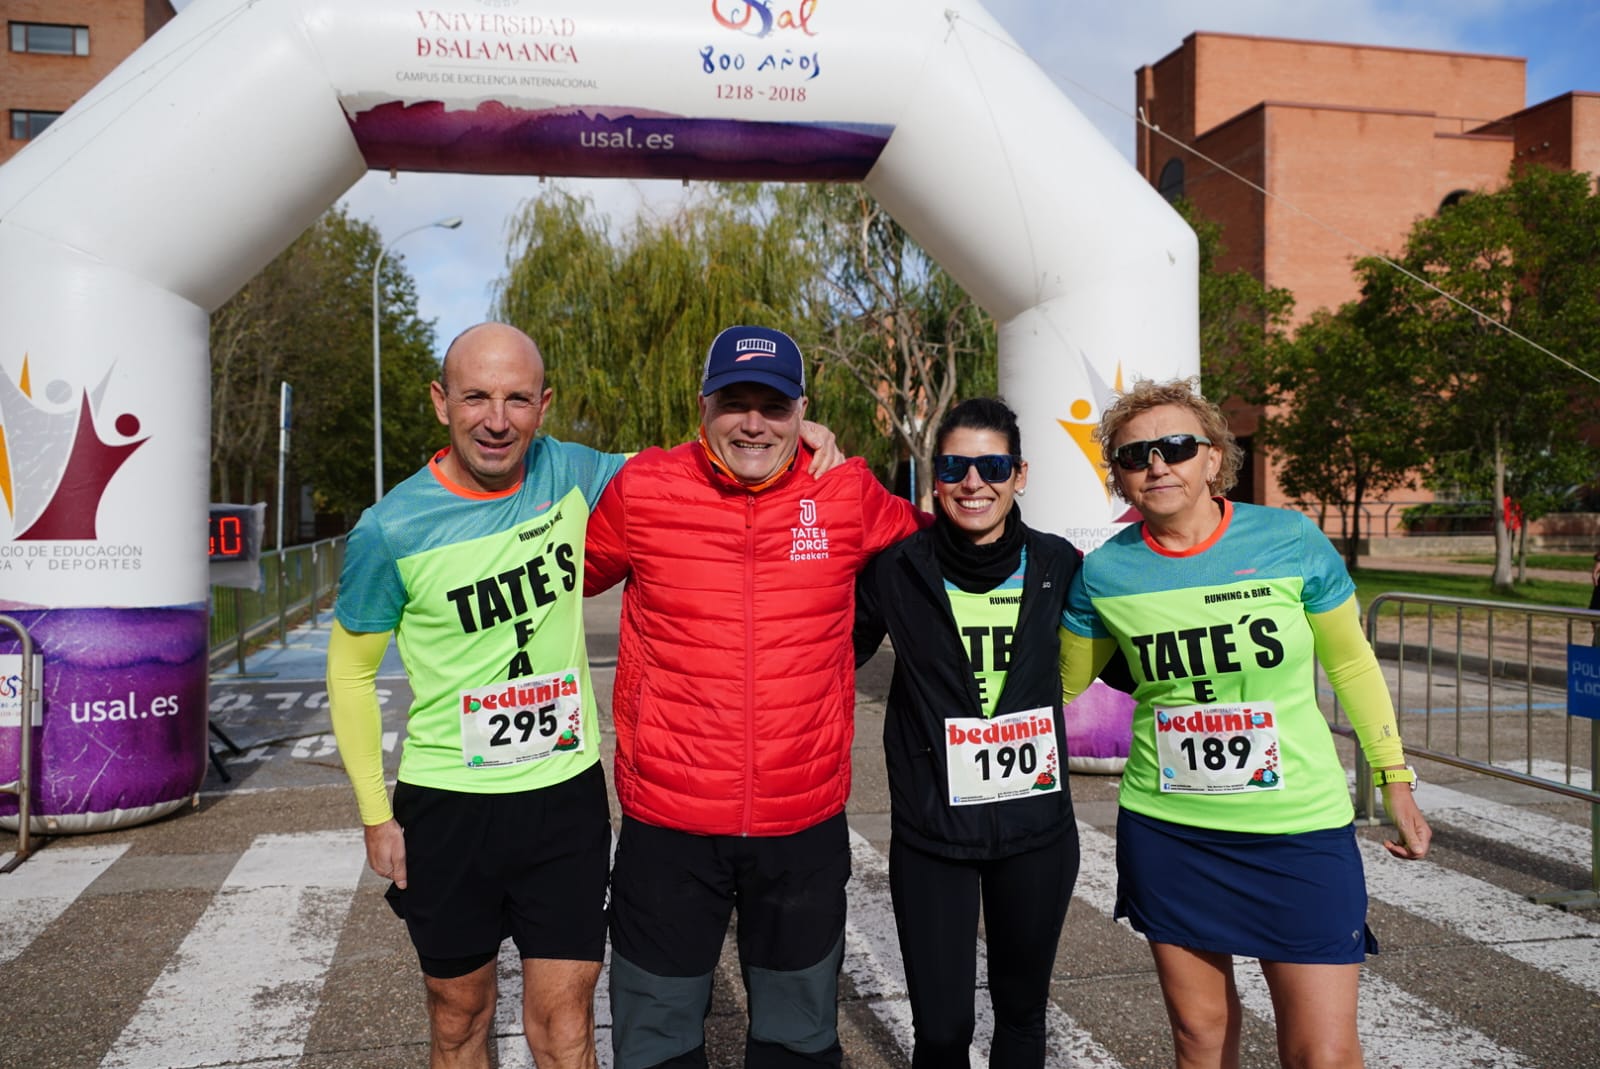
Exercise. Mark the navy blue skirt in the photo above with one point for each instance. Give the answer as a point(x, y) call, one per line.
point(1291, 898)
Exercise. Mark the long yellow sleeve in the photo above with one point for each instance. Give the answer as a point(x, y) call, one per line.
point(1082, 661)
point(353, 662)
point(1357, 679)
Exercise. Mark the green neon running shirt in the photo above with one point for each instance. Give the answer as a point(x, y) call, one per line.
point(483, 590)
point(1224, 661)
point(987, 624)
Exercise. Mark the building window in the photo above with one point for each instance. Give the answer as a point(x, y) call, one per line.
point(1170, 184)
point(27, 125)
point(1454, 198)
point(49, 40)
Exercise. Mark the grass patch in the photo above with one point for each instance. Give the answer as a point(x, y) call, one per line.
point(1370, 582)
point(1566, 562)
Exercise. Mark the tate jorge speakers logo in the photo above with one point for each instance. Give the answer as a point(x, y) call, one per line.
point(808, 541)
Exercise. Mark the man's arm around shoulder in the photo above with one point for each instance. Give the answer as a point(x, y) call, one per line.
point(605, 550)
point(885, 518)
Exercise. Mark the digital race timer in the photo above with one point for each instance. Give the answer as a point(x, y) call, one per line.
point(236, 536)
point(230, 533)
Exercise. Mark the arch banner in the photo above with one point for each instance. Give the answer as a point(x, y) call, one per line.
point(202, 156)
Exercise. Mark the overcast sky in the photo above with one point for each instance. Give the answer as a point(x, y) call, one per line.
point(1091, 51)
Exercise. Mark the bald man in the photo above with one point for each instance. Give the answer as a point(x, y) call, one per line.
point(499, 825)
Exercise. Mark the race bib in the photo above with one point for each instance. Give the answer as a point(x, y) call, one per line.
point(524, 720)
point(1217, 749)
point(1002, 758)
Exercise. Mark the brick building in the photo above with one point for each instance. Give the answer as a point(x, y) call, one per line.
point(57, 49)
point(1359, 138)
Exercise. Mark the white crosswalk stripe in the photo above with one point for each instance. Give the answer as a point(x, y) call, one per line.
point(1408, 1031)
point(1521, 827)
point(1545, 938)
point(53, 880)
point(247, 980)
point(1525, 828)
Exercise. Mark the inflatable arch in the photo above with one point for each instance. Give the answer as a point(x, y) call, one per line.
point(203, 155)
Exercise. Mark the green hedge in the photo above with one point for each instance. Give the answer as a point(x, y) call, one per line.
point(1448, 517)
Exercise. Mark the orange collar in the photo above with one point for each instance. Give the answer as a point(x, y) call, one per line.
point(456, 488)
point(1226, 508)
point(723, 469)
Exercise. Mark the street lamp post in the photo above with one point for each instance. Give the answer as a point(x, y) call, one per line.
point(377, 387)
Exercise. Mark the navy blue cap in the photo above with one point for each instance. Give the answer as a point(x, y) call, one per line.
point(754, 354)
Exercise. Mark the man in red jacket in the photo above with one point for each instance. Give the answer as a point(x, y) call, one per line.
point(734, 709)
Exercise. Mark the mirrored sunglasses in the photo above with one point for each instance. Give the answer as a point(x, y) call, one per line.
point(1174, 449)
point(992, 467)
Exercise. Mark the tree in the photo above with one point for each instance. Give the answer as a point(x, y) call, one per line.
point(1527, 256)
point(624, 320)
point(306, 319)
point(246, 368)
point(893, 320)
point(1539, 483)
point(1343, 417)
point(1243, 323)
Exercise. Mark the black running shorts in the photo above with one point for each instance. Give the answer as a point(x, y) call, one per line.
point(532, 865)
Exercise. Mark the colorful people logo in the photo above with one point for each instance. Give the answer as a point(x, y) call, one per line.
point(1085, 416)
point(54, 464)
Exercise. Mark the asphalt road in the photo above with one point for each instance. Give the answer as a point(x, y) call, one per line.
point(246, 932)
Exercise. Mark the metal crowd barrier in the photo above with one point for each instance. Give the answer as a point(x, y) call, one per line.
point(295, 581)
point(1516, 655)
point(22, 786)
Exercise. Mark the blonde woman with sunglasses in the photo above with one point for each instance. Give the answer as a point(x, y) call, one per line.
point(1234, 834)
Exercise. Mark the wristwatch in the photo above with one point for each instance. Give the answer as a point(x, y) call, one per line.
point(1384, 776)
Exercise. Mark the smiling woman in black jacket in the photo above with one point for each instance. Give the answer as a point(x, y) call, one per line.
point(975, 745)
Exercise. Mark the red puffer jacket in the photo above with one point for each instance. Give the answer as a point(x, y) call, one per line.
point(735, 691)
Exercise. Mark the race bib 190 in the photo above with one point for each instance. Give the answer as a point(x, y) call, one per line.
point(1002, 758)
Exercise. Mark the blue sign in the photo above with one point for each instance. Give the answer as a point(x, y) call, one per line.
point(1583, 681)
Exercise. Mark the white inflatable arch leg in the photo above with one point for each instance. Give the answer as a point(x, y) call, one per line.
point(203, 155)
point(1090, 275)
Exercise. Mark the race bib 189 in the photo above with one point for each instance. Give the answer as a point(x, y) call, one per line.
point(1217, 749)
point(524, 720)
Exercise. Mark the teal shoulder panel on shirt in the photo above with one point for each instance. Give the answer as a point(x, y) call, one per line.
point(1263, 544)
point(422, 514)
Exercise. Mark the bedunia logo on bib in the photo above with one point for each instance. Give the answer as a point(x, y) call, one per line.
point(517, 695)
point(1224, 718)
point(1009, 730)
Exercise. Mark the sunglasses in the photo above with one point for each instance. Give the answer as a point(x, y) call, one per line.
point(1173, 448)
point(992, 468)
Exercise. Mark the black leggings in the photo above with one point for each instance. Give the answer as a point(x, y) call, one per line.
point(1025, 900)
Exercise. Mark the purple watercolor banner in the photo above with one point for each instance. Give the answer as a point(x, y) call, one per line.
point(124, 712)
point(611, 143)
